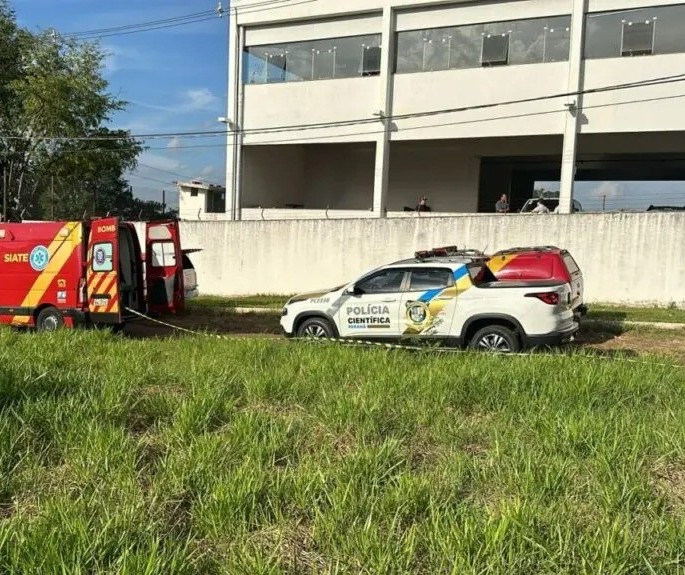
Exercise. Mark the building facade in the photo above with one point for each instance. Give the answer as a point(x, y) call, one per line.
point(358, 108)
point(201, 201)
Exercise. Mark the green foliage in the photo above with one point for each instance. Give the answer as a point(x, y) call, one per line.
point(54, 86)
point(205, 456)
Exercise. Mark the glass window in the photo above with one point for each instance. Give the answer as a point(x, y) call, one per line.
point(557, 39)
point(512, 42)
point(382, 282)
point(313, 60)
point(654, 30)
point(495, 49)
point(163, 254)
point(466, 46)
point(430, 278)
point(103, 256)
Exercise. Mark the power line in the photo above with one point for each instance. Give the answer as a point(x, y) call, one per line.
point(677, 78)
point(139, 25)
point(164, 23)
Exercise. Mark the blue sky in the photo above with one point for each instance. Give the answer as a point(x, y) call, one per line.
point(174, 80)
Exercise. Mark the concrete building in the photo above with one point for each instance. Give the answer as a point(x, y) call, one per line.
point(356, 108)
point(198, 200)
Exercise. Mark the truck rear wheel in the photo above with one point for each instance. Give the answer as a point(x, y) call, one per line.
point(495, 338)
point(49, 319)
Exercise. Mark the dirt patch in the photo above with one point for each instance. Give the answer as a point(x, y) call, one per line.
point(666, 344)
point(669, 482)
point(207, 321)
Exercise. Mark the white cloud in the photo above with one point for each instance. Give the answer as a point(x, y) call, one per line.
point(120, 58)
point(191, 100)
point(208, 171)
point(200, 99)
point(608, 190)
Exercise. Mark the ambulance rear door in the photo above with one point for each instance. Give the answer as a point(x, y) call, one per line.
point(102, 276)
point(164, 268)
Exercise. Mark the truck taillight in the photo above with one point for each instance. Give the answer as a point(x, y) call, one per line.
point(550, 298)
point(82, 296)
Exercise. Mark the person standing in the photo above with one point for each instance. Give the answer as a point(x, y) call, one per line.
point(502, 205)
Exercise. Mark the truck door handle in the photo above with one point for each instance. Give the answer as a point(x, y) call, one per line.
point(389, 300)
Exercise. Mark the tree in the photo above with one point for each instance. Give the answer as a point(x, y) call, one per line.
point(57, 155)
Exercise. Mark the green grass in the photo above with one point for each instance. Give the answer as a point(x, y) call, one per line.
point(608, 312)
point(205, 456)
point(256, 301)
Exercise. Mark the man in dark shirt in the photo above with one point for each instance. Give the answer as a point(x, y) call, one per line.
point(502, 206)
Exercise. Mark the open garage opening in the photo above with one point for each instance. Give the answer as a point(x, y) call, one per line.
point(308, 177)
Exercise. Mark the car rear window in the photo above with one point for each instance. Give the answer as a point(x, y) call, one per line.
point(571, 264)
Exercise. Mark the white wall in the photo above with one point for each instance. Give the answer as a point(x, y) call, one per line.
point(644, 109)
point(626, 258)
point(190, 206)
point(311, 102)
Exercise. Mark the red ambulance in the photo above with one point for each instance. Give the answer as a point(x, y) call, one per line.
point(55, 274)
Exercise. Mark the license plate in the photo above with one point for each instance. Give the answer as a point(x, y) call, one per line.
point(100, 301)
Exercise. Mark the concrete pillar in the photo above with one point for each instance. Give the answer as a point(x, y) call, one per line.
point(385, 97)
point(574, 105)
point(233, 121)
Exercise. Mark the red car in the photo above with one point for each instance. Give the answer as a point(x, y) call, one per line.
point(541, 263)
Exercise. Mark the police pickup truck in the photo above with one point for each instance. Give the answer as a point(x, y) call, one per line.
point(453, 299)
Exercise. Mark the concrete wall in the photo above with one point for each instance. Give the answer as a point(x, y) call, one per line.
point(626, 258)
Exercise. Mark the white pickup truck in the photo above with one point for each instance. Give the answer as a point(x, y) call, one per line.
point(449, 299)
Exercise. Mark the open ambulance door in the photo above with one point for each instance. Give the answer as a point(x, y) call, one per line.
point(164, 268)
point(102, 276)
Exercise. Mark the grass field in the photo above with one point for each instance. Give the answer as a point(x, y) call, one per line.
point(648, 314)
point(205, 456)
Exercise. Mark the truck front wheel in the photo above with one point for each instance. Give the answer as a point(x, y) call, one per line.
point(49, 319)
point(495, 338)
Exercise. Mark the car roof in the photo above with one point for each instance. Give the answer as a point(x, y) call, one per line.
point(530, 249)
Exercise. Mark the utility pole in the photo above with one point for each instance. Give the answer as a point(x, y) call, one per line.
point(604, 202)
point(163, 202)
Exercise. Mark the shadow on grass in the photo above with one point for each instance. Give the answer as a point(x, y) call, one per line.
point(213, 321)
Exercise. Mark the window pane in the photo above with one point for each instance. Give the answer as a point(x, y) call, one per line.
point(385, 281)
point(254, 65)
point(669, 25)
point(163, 254)
point(557, 42)
point(102, 257)
point(638, 38)
point(323, 60)
point(298, 65)
point(467, 43)
point(428, 279)
point(409, 51)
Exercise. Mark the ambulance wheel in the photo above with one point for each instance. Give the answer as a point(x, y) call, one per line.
point(315, 327)
point(49, 319)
